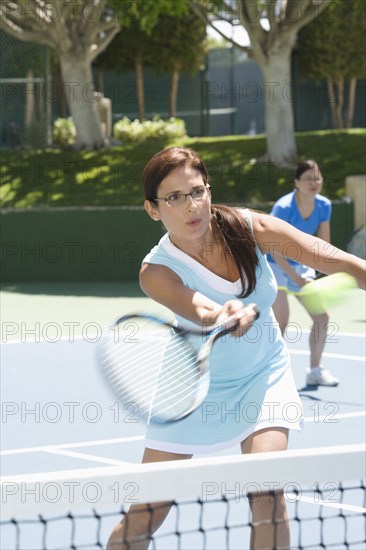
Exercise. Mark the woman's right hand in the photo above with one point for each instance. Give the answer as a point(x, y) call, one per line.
point(234, 313)
point(303, 281)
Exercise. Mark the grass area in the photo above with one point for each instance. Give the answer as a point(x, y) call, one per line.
point(111, 177)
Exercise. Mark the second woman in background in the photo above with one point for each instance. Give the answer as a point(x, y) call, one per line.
point(307, 210)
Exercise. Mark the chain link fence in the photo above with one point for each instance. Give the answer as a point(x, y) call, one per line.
point(225, 98)
point(24, 77)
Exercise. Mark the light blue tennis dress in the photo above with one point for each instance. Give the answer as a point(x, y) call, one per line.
point(251, 384)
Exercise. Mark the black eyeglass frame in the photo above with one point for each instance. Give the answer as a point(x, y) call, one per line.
point(207, 188)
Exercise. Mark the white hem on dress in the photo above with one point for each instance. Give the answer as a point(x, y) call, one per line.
point(178, 448)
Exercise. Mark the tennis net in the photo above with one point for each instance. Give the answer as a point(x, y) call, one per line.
point(324, 490)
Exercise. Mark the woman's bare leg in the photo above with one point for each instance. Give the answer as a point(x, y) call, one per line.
point(281, 310)
point(266, 507)
point(318, 335)
point(135, 529)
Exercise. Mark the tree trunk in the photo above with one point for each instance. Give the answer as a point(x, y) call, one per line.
point(58, 91)
point(79, 88)
point(278, 101)
point(100, 77)
point(174, 82)
point(61, 94)
point(139, 71)
point(340, 85)
point(351, 102)
point(333, 97)
point(29, 99)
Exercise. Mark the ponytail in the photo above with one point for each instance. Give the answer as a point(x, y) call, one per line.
point(238, 240)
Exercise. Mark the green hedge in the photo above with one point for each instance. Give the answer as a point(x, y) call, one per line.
point(90, 244)
point(76, 244)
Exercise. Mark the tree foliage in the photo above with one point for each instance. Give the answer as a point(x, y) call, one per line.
point(272, 26)
point(147, 12)
point(79, 30)
point(178, 43)
point(175, 44)
point(130, 43)
point(331, 50)
point(82, 26)
point(129, 51)
point(179, 46)
point(334, 45)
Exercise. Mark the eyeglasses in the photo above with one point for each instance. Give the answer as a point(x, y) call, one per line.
point(177, 199)
point(309, 178)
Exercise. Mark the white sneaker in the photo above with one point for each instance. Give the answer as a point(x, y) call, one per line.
point(319, 376)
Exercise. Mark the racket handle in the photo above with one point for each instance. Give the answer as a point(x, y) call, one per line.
point(231, 324)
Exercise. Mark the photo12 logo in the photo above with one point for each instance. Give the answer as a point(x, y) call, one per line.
point(70, 492)
point(238, 491)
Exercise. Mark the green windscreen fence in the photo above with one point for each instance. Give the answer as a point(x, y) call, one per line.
point(91, 244)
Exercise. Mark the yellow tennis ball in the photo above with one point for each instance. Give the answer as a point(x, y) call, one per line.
point(327, 292)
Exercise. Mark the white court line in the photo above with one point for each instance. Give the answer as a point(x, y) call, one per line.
point(94, 338)
point(50, 448)
point(83, 456)
point(307, 331)
point(330, 417)
point(61, 446)
point(337, 505)
point(359, 358)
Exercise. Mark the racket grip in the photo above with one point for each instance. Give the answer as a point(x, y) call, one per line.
point(231, 325)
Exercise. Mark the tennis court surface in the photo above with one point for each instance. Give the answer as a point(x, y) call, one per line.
point(70, 453)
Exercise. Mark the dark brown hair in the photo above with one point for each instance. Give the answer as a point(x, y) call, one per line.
point(164, 162)
point(229, 225)
point(304, 166)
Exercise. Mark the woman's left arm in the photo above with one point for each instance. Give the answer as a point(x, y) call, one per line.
point(324, 231)
point(277, 237)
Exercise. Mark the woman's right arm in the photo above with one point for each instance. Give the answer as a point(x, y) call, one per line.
point(164, 286)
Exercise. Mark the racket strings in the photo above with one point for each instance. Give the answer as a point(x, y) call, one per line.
point(182, 362)
point(182, 393)
point(117, 354)
point(159, 371)
point(165, 387)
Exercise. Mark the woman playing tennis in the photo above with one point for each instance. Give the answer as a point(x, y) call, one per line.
point(211, 264)
point(310, 212)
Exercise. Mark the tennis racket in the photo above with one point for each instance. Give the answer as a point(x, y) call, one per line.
point(325, 292)
point(160, 370)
